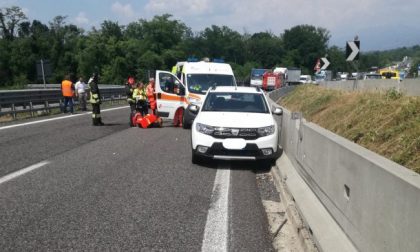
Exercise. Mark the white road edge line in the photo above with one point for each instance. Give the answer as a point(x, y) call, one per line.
point(57, 118)
point(216, 230)
point(23, 171)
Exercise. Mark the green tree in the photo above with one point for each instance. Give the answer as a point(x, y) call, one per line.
point(163, 33)
point(10, 18)
point(111, 29)
point(336, 56)
point(265, 49)
point(304, 44)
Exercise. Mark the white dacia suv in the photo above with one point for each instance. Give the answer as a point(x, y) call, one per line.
point(235, 123)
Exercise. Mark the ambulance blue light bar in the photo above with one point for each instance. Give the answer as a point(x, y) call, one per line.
point(218, 60)
point(192, 59)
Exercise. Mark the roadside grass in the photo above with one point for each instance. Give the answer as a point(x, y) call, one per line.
point(386, 123)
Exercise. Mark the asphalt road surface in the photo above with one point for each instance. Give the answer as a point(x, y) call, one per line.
point(66, 185)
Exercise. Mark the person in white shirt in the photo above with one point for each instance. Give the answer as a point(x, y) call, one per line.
point(81, 93)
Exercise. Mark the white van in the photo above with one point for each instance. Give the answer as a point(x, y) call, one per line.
point(188, 83)
point(305, 79)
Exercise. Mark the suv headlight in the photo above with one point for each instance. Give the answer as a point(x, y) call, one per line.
point(266, 131)
point(205, 129)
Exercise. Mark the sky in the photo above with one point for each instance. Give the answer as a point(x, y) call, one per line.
point(380, 24)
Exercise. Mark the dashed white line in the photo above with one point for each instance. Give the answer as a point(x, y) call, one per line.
point(56, 118)
point(22, 171)
point(216, 230)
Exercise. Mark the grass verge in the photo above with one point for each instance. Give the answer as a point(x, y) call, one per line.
point(388, 124)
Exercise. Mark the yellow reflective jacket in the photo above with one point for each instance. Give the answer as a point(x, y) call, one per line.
point(140, 94)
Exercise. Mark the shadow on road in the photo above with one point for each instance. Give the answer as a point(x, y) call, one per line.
point(258, 167)
point(113, 124)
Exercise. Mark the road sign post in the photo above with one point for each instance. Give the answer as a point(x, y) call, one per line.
point(352, 55)
point(43, 69)
point(418, 71)
point(43, 73)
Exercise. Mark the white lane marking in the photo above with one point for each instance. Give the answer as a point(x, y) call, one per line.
point(216, 231)
point(22, 171)
point(57, 118)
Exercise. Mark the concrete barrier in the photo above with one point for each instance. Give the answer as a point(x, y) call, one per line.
point(375, 201)
point(410, 87)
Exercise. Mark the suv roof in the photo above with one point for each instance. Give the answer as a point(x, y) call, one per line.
point(234, 89)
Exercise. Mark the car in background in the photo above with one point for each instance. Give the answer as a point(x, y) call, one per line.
point(234, 123)
point(256, 78)
point(372, 76)
point(305, 79)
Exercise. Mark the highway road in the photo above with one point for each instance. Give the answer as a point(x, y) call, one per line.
point(66, 185)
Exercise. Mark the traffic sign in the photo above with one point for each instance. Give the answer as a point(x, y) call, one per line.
point(352, 50)
point(317, 66)
point(326, 63)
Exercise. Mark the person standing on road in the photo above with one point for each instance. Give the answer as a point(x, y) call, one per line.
point(150, 91)
point(81, 93)
point(129, 89)
point(140, 96)
point(67, 89)
point(95, 100)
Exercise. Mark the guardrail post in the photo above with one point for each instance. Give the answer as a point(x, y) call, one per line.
point(61, 105)
point(46, 106)
point(13, 111)
point(119, 99)
point(31, 108)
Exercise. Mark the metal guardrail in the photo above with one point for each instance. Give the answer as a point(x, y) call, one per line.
point(58, 86)
point(20, 101)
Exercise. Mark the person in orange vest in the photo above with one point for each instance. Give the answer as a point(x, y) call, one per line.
point(150, 91)
point(67, 89)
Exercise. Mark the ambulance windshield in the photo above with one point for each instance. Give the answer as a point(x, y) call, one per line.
point(200, 83)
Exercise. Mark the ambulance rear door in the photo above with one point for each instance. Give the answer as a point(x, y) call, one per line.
point(170, 94)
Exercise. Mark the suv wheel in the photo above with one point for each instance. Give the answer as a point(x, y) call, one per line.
point(195, 159)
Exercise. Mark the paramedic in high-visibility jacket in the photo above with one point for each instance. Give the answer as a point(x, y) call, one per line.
point(150, 91)
point(95, 100)
point(140, 96)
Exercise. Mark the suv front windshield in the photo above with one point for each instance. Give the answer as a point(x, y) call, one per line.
point(200, 83)
point(236, 102)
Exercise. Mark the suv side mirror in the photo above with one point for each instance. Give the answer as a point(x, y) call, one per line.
point(193, 108)
point(277, 111)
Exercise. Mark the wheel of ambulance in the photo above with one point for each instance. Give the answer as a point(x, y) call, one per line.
point(185, 125)
point(178, 117)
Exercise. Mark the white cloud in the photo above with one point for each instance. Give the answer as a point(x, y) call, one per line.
point(81, 19)
point(181, 8)
point(122, 10)
point(25, 11)
point(8, 3)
